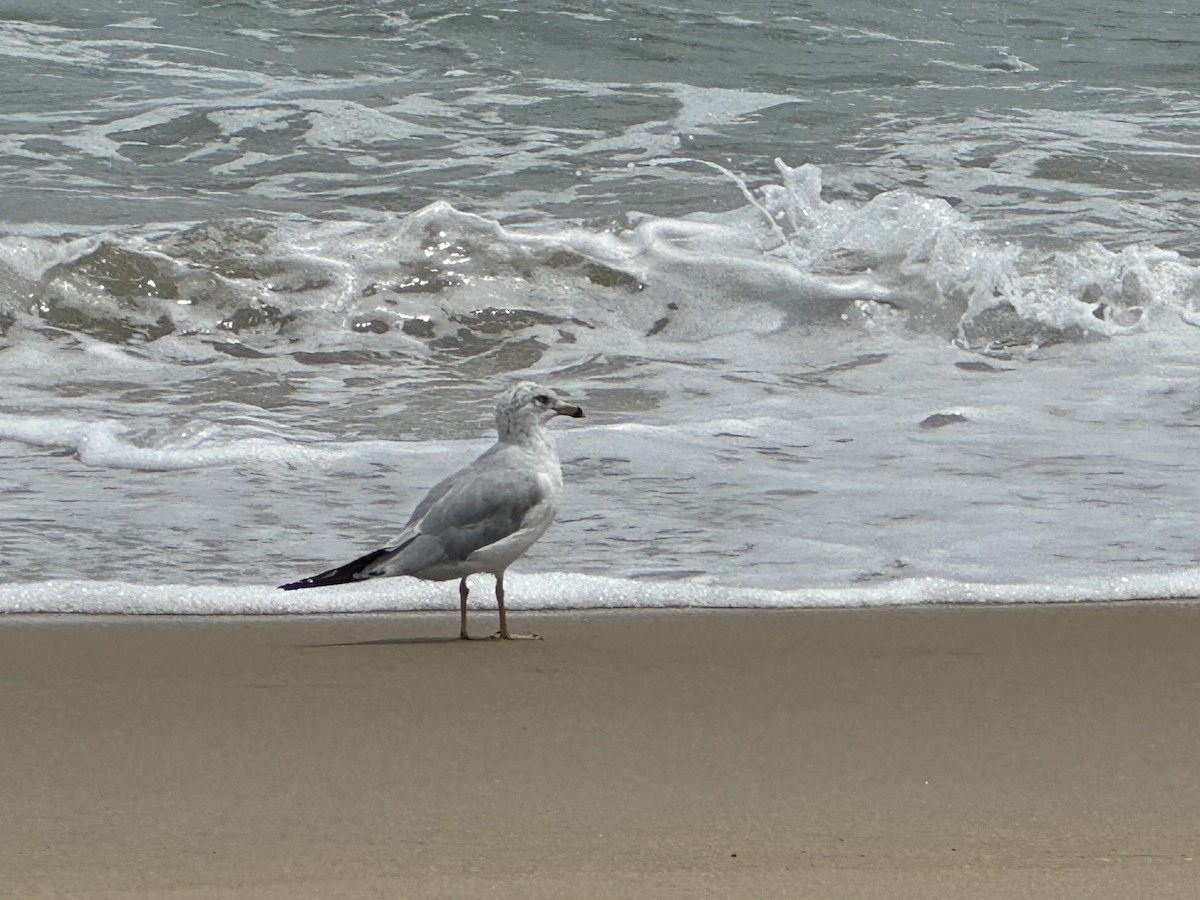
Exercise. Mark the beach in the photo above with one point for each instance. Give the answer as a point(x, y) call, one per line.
point(1041, 751)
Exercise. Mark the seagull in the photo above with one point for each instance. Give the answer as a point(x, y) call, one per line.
point(484, 516)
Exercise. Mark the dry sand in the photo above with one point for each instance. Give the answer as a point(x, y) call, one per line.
point(1034, 752)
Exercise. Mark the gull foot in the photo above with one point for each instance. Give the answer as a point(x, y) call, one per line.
point(502, 636)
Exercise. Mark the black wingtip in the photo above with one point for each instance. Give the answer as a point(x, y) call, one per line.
point(340, 575)
point(352, 571)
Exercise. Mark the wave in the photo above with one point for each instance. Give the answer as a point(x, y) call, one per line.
point(113, 445)
point(446, 284)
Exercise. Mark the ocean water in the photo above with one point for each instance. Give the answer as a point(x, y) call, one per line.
point(865, 303)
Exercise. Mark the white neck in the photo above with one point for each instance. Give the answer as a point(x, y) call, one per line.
point(525, 429)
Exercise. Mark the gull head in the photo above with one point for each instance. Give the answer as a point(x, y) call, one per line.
point(526, 406)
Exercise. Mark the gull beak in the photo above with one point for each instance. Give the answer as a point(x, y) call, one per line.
point(568, 409)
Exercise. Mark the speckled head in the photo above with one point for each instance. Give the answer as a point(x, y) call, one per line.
point(524, 407)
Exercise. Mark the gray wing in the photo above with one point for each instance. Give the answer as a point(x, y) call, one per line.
point(473, 508)
point(480, 509)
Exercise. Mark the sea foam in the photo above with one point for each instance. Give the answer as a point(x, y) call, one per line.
point(565, 591)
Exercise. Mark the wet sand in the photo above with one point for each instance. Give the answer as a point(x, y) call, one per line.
point(907, 753)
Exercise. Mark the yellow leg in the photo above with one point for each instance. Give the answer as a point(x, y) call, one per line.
point(503, 634)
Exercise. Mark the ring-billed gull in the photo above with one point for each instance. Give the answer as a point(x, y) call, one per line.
point(482, 517)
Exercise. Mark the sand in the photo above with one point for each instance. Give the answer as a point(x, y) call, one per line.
point(908, 753)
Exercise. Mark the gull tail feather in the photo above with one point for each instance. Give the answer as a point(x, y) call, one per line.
point(351, 571)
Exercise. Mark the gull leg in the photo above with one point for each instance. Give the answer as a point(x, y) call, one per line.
point(462, 607)
point(503, 633)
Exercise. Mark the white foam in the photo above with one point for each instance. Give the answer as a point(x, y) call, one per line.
point(703, 107)
point(113, 445)
point(336, 124)
point(565, 591)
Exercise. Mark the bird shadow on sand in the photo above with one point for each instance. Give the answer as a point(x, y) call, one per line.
point(386, 642)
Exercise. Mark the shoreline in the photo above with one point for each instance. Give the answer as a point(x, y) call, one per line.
point(481, 613)
point(545, 592)
point(902, 752)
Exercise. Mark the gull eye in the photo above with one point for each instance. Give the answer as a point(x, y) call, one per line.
point(541, 400)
